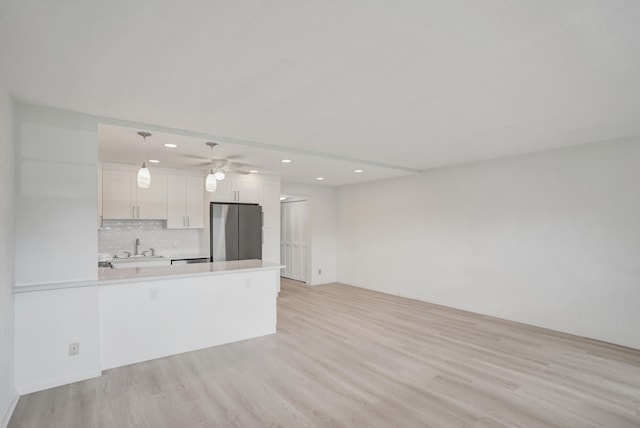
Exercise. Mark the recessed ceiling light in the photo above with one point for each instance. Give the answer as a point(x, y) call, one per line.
point(171, 146)
point(357, 170)
point(286, 161)
point(154, 161)
point(319, 178)
point(253, 171)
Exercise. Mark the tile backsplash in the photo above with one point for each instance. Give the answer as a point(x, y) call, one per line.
point(117, 236)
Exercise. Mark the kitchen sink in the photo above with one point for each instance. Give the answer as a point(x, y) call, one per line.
point(136, 258)
point(140, 261)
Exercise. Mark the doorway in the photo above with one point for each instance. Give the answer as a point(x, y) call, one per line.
point(295, 236)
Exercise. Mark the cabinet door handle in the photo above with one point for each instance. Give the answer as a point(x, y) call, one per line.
point(133, 212)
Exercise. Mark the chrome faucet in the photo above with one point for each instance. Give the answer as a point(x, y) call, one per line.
point(137, 246)
point(150, 250)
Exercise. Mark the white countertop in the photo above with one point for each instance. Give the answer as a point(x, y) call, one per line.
point(111, 276)
point(179, 256)
point(116, 276)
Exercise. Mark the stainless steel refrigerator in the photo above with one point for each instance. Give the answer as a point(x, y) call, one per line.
point(236, 231)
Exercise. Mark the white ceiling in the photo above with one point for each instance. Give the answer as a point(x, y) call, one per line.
point(410, 84)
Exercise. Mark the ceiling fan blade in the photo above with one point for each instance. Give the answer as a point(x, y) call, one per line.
point(202, 158)
point(236, 165)
point(239, 171)
point(207, 164)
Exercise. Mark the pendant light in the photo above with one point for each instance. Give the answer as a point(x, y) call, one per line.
point(144, 177)
point(211, 183)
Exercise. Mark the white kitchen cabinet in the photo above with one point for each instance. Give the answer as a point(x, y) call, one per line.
point(239, 188)
point(122, 199)
point(117, 195)
point(152, 202)
point(185, 209)
point(225, 191)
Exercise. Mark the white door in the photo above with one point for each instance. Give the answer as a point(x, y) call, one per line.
point(294, 240)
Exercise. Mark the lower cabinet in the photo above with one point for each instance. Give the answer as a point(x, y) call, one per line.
point(185, 209)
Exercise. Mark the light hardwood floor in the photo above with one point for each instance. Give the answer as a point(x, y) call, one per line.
point(347, 357)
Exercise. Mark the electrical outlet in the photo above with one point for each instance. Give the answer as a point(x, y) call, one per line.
point(74, 349)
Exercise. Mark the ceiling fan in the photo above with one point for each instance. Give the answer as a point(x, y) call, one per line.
point(221, 166)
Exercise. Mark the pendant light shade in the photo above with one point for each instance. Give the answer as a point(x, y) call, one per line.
point(219, 175)
point(144, 177)
point(211, 184)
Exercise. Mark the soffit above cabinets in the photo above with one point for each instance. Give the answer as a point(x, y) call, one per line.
point(118, 144)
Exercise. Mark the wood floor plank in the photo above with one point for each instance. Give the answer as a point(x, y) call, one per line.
point(344, 357)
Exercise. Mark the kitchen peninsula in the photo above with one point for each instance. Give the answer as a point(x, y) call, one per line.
point(137, 314)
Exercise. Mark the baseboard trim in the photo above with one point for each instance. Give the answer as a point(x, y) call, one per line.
point(52, 383)
point(8, 412)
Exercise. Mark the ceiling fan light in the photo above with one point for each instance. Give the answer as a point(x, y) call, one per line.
point(211, 184)
point(219, 175)
point(144, 177)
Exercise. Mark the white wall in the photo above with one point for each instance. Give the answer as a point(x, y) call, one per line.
point(46, 323)
point(8, 397)
point(323, 203)
point(550, 239)
point(56, 196)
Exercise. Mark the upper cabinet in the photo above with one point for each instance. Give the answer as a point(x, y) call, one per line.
point(239, 188)
point(122, 199)
point(186, 202)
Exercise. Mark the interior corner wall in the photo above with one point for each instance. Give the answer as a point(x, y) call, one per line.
point(56, 196)
point(323, 204)
point(8, 396)
point(549, 239)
